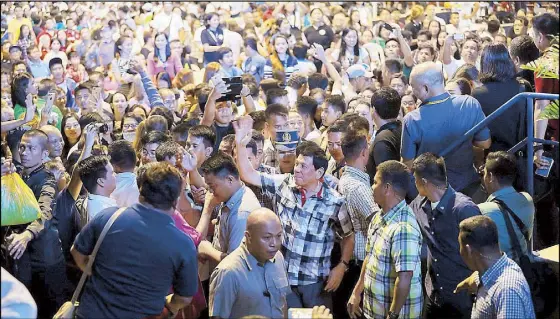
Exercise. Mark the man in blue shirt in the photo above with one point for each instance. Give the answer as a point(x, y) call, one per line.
point(438, 122)
point(439, 209)
point(142, 256)
point(39, 68)
point(237, 202)
point(499, 174)
point(500, 286)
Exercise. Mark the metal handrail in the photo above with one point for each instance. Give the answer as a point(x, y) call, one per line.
point(530, 133)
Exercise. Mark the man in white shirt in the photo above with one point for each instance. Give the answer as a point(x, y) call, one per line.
point(123, 159)
point(232, 39)
point(162, 20)
point(470, 50)
point(98, 177)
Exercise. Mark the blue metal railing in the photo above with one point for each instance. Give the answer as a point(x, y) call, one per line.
point(529, 140)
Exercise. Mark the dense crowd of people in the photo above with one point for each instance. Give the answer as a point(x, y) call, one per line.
point(252, 159)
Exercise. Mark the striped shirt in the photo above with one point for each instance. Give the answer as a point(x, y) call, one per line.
point(309, 228)
point(503, 292)
point(393, 245)
point(290, 66)
point(354, 187)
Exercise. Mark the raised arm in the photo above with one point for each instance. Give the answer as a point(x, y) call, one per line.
point(243, 127)
point(446, 55)
point(210, 109)
point(29, 115)
point(153, 94)
point(405, 48)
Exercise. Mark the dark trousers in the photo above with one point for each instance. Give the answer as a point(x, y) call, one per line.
point(48, 285)
point(445, 311)
point(342, 294)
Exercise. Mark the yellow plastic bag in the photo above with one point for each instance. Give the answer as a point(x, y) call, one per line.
point(19, 205)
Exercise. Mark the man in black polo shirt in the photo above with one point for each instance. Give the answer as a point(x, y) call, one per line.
point(38, 261)
point(385, 105)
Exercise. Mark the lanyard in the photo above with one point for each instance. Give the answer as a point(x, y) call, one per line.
point(436, 101)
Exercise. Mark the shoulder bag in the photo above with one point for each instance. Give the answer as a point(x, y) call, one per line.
point(68, 309)
point(543, 282)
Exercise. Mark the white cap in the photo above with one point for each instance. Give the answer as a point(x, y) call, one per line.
point(147, 7)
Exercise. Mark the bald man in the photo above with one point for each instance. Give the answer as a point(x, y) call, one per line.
point(55, 142)
point(440, 121)
point(252, 279)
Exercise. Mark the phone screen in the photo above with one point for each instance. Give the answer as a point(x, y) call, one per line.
point(544, 172)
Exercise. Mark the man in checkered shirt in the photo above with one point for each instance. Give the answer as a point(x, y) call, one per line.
point(312, 214)
point(500, 286)
point(355, 187)
point(391, 277)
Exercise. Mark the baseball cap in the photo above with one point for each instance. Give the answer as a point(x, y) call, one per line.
point(15, 46)
point(55, 61)
point(148, 7)
point(358, 70)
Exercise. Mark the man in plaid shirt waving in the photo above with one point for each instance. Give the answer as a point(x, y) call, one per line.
point(312, 215)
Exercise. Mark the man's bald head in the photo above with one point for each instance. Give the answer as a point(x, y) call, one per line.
point(49, 129)
point(259, 217)
point(55, 142)
point(264, 234)
point(427, 80)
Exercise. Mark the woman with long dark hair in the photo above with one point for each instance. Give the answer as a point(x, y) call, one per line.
point(499, 84)
point(350, 52)
point(22, 85)
point(212, 38)
point(71, 132)
point(162, 59)
point(281, 59)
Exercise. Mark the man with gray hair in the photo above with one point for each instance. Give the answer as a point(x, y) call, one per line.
point(442, 119)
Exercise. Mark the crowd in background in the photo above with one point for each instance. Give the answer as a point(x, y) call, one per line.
point(320, 182)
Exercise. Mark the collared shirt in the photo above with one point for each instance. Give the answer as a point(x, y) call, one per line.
point(232, 72)
point(255, 65)
point(241, 286)
point(309, 229)
point(97, 203)
point(503, 293)
point(440, 229)
point(354, 186)
point(126, 193)
point(39, 69)
point(269, 151)
point(335, 169)
point(393, 245)
point(232, 219)
point(522, 205)
point(438, 123)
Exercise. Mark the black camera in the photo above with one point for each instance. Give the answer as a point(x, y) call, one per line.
point(104, 129)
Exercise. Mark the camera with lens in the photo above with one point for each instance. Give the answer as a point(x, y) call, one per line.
point(103, 128)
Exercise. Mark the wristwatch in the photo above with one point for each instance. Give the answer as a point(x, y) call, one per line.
point(346, 264)
point(392, 315)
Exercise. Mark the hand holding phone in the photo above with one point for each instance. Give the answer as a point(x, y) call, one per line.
point(458, 36)
point(544, 170)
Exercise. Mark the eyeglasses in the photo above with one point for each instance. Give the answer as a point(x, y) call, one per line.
point(129, 126)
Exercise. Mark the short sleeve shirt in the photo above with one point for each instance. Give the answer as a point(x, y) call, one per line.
point(439, 122)
point(309, 228)
point(393, 245)
point(142, 256)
